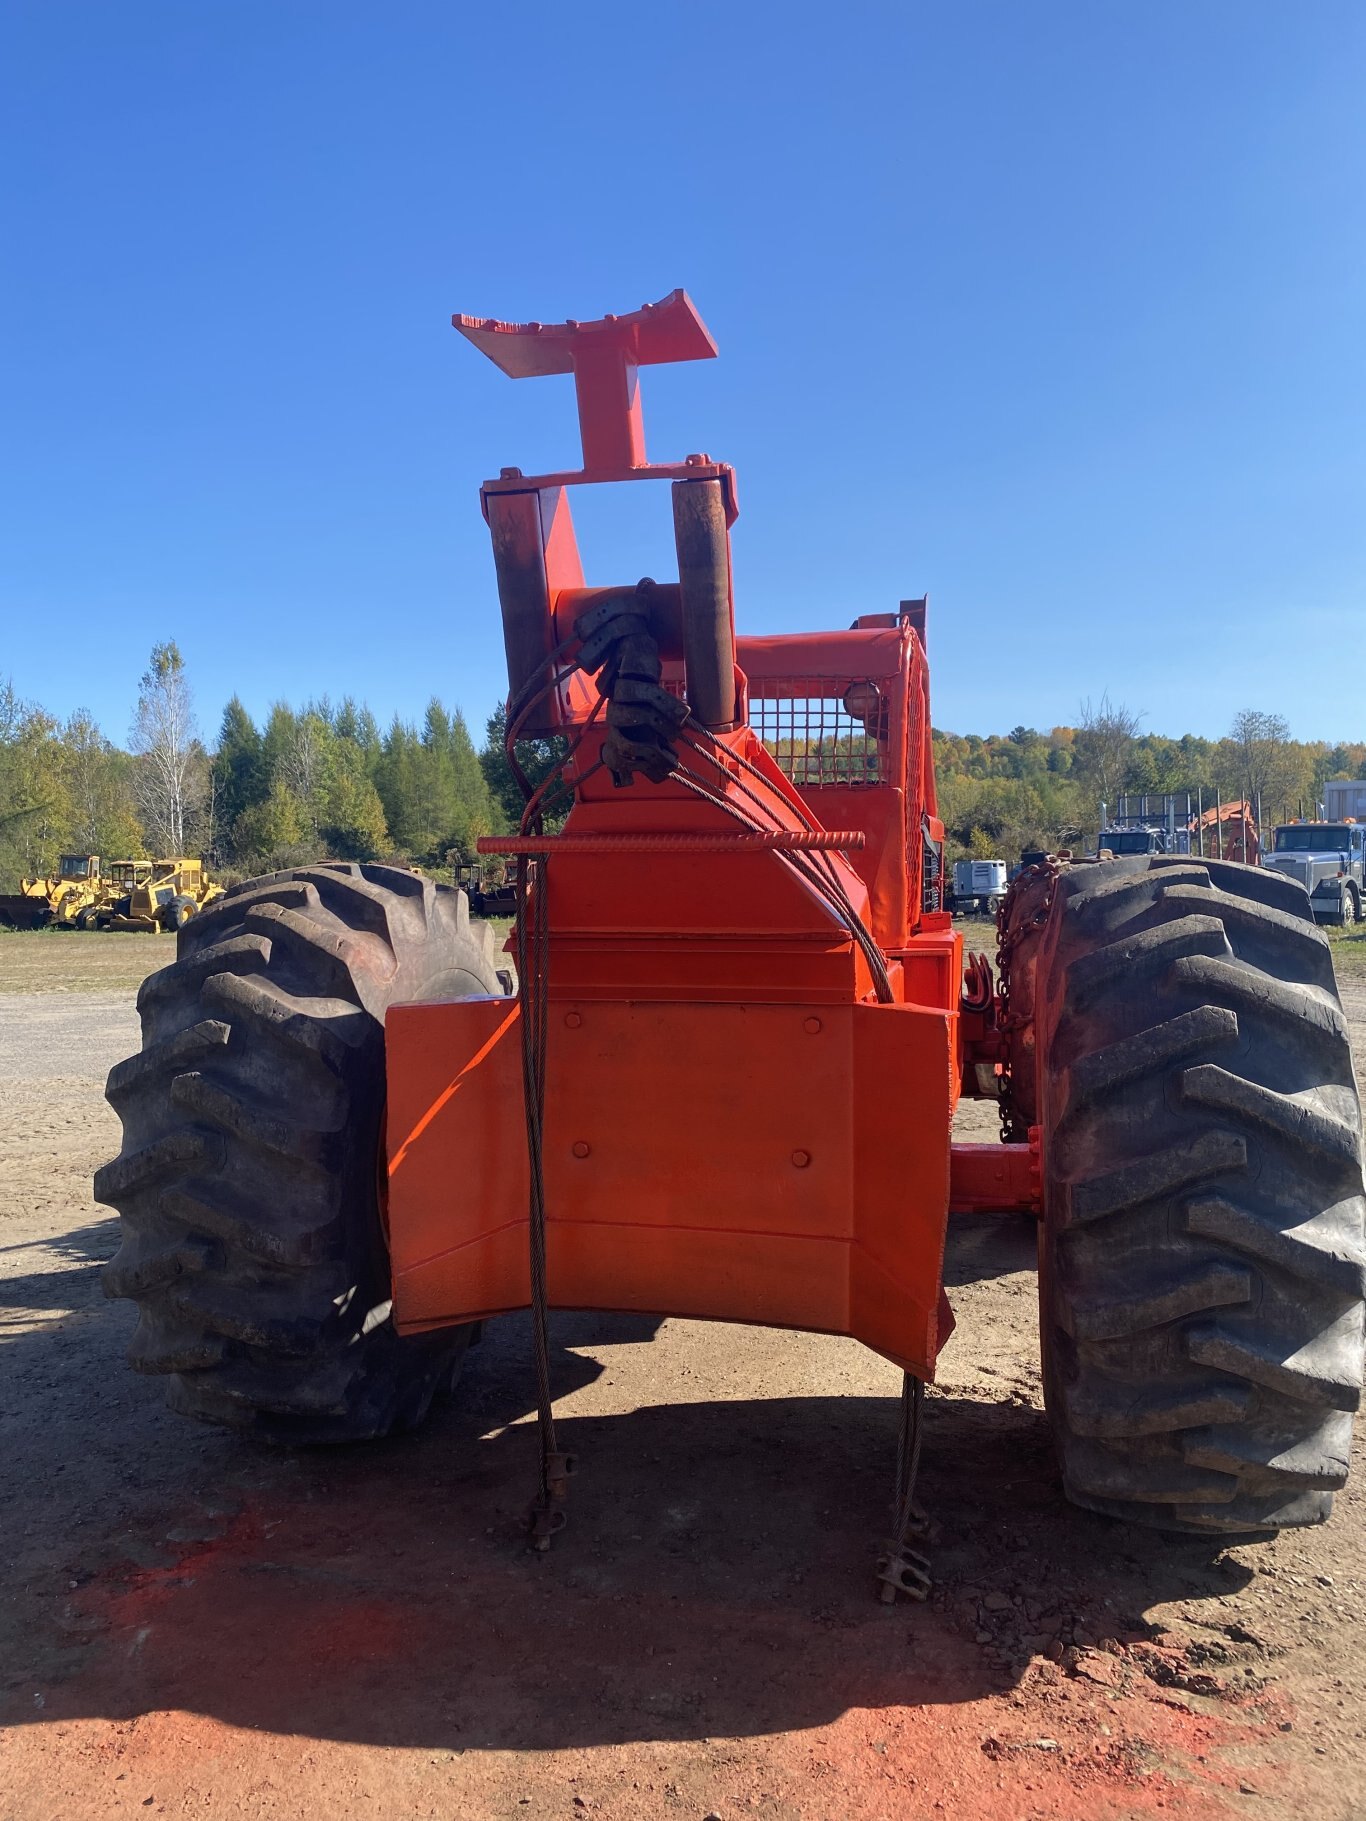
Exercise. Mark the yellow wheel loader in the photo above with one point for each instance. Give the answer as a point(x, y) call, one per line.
point(58, 900)
point(151, 895)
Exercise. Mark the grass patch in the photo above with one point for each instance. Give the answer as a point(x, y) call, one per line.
point(1349, 951)
point(80, 961)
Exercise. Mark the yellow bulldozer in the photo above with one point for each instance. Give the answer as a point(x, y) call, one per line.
point(59, 899)
point(150, 895)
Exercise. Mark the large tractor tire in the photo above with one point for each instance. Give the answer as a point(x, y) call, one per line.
point(1201, 1251)
point(248, 1181)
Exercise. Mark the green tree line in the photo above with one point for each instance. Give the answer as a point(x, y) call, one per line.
point(1003, 793)
point(326, 781)
point(313, 782)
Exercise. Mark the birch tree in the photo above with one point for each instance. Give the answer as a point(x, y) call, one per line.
point(169, 782)
point(303, 765)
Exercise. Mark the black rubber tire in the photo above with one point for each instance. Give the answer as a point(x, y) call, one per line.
point(178, 913)
point(1202, 1260)
point(247, 1184)
point(85, 919)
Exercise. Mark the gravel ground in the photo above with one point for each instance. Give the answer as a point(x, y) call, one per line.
point(190, 1626)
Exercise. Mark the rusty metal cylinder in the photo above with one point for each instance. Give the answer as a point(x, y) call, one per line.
point(702, 537)
point(517, 525)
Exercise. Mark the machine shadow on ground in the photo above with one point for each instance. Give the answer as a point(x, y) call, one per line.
point(715, 1579)
point(985, 1246)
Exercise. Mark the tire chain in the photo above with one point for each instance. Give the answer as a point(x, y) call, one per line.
point(1008, 939)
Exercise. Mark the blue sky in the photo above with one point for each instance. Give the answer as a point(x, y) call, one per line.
point(1055, 310)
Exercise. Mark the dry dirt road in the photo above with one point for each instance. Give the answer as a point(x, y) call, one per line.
point(193, 1627)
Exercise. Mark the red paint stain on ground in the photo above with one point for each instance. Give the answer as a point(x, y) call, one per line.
point(252, 1678)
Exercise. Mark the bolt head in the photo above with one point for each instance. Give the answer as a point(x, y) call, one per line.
point(811, 1026)
point(579, 1148)
point(801, 1159)
point(573, 1020)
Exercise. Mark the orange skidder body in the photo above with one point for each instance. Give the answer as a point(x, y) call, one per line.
point(747, 1107)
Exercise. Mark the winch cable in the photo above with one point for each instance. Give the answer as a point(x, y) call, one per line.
point(567, 787)
point(533, 979)
point(547, 1515)
point(523, 700)
point(543, 796)
point(901, 1569)
point(801, 864)
point(531, 940)
point(725, 756)
point(833, 895)
point(829, 883)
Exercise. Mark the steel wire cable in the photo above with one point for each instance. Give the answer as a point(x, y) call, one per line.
point(531, 896)
point(532, 944)
point(910, 1569)
point(532, 941)
point(802, 865)
point(534, 813)
point(825, 862)
point(908, 1453)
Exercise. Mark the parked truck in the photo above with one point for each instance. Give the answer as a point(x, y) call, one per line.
point(1148, 824)
point(1329, 860)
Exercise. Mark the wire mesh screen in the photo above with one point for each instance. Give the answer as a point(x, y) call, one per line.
point(818, 737)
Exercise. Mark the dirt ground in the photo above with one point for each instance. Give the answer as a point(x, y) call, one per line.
point(193, 1627)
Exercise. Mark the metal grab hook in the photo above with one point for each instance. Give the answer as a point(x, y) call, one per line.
point(979, 984)
point(901, 1569)
point(547, 1516)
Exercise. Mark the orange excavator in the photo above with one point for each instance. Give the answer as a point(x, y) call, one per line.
point(345, 1146)
point(1229, 832)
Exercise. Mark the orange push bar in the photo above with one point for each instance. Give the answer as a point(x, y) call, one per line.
point(740, 1162)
